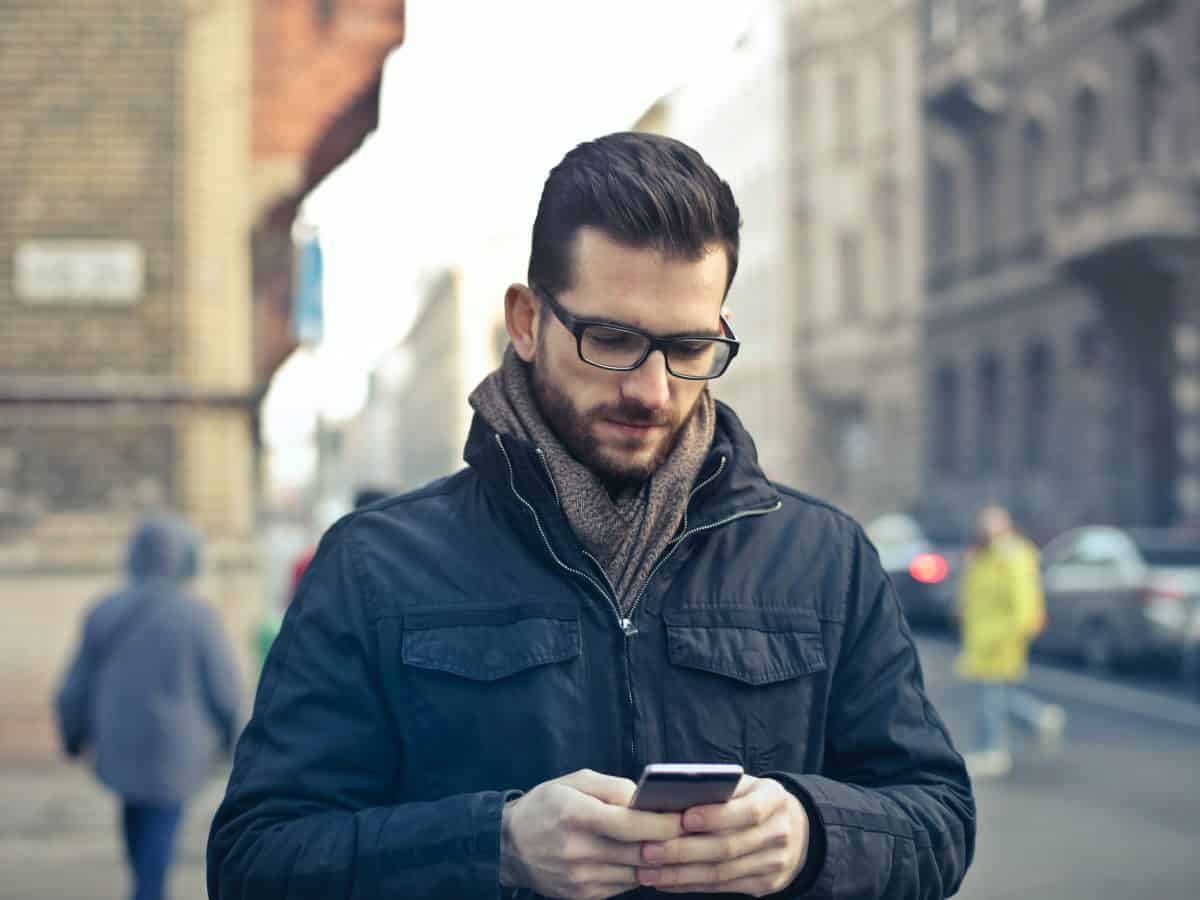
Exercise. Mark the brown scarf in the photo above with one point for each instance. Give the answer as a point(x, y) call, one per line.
point(627, 534)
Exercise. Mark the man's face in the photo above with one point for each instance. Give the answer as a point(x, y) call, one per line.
point(992, 524)
point(623, 425)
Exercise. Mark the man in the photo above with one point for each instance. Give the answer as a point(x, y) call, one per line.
point(152, 694)
point(474, 674)
point(1002, 611)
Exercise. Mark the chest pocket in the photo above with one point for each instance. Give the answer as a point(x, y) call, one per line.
point(754, 646)
point(491, 644)
point(756, 682)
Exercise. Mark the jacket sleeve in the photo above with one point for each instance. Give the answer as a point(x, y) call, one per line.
point(72, 704)
point(219, 677)
point(894, 814)
point(311, 811)
point(1028, 603)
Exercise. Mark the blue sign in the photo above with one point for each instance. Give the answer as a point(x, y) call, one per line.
point(308, 318)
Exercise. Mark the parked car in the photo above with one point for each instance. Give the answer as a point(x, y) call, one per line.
point(922, 573)
point(1120, 595)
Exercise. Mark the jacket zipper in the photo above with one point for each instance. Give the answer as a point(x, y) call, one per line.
point(626, 623)
point(512, 483)
point(622, 621)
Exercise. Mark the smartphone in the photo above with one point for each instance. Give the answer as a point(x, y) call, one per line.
point(674, 787)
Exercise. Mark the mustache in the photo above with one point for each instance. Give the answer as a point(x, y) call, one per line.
point(633, 414)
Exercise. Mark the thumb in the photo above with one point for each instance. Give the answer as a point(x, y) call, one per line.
point(605, 788)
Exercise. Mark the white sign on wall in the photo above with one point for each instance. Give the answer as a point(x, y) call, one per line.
point(79, 271)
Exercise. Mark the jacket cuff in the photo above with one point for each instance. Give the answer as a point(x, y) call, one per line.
point(510, 893)
point(814, 863)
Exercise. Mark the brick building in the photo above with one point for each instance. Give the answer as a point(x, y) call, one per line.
point(128, 371)
point(1062, 167)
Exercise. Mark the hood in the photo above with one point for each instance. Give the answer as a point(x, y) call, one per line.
point(164, 547)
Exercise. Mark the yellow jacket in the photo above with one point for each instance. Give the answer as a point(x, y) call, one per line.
point(1002, 609)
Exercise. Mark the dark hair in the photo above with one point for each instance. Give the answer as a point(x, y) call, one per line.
point(365, 496)
point(640, 190)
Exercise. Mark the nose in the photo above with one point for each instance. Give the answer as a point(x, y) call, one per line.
point(650, 383)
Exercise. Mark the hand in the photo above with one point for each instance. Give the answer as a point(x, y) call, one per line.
point(575, 837)
point(756, 843)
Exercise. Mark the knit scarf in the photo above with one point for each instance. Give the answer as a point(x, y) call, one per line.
point(628, 533)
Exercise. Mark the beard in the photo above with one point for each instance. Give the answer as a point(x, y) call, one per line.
point(618, 471)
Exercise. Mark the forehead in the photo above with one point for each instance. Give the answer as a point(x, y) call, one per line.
point(643, 287)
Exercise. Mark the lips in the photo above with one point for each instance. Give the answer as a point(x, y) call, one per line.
point(633, 429)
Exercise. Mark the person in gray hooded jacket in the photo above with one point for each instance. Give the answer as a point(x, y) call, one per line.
point(152, 695)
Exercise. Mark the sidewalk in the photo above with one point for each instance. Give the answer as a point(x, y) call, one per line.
point(58, 837)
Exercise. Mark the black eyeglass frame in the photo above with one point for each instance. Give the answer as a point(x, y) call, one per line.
point(577, 325)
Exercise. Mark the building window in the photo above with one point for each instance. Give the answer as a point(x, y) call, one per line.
point(942, 213)
point(1150, 110)
point(943, 21)
point(1039, 404)
point(846, 110)
point(851, 275)
point(893, 286)
point(985, 198)
point(944, 413)
point(1089, 346)
point(889, 90)
point(991, 413)
point(1088, 147)
point(1033, 176)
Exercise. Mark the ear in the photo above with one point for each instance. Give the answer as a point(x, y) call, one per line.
point(521, 319)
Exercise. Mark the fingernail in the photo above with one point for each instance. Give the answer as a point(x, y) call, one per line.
point(694, 821)
point(652, 852)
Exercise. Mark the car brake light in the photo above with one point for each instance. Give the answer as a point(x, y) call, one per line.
point(929, 568)
point(1162, 595)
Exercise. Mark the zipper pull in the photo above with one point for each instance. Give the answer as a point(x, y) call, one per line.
point(628, 627)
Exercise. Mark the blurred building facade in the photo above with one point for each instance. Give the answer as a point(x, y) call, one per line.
point(856, 218)
point(128, 365)
point(1063, 156)
point(414, 424)
point(815, 124)
point(736, 116)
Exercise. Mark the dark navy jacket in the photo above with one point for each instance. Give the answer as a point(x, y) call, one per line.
point(455, 645)
point(153, 689)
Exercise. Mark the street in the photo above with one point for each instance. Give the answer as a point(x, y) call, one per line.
point(1116, 815)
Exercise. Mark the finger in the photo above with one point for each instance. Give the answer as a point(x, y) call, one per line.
point(717, 877)
point(593, 849)
point(753, 886)
point(620, 823)
point(605, 788)
point(709, 847)
point(592, 875)
point(763, 800)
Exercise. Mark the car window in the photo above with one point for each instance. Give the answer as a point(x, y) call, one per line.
point(1172, 556)
point(1090, 548)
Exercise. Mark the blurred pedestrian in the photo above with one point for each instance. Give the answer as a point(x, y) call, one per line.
point(1002, 610)
point(152, 696)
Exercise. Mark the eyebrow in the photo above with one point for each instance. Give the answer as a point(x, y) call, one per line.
point(703, 332)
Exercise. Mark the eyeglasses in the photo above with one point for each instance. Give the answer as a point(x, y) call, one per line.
point(622, 348)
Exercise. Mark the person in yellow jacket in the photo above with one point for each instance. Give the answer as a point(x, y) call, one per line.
point(1001, 610)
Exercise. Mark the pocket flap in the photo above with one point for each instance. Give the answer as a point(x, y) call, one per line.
point(754, 646)
point(490, 644)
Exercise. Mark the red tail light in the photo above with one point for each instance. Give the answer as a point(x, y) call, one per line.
point(1162, 595)
point(929, 568)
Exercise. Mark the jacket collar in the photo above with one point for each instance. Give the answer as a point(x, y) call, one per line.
point(730, 480)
